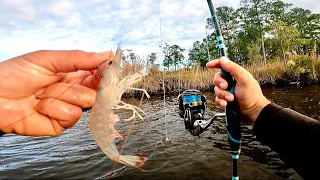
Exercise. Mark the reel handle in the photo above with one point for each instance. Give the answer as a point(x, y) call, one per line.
point(202, 125)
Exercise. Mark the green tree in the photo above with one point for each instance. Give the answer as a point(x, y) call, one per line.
point(278, 10)
point(229, 23)
point(173, 55)
point(167, 61)
point(200, 52)
point(287, 36)
point(261, 29)
point(177, 55)
point(308, 25)
point(256, 13)
point(152, 58)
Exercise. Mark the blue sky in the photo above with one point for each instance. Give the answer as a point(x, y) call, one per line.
point(99, 25)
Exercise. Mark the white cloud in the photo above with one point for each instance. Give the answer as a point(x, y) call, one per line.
point(65, 10)
point(18, 9)
point(61, 8)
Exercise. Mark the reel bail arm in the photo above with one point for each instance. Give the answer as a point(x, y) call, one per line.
point(200, 126)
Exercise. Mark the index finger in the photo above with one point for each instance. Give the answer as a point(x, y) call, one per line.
point(214, 64)
point(68, 60)
point(239, 73)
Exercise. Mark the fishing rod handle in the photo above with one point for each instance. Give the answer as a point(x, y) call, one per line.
point(233, 123)
point(232, 109)
point(232, 115)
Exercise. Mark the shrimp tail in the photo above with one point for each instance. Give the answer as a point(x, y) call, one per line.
point(109, 148)
point(135, 161)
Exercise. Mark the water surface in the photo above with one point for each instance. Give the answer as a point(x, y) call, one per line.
point(75, 155)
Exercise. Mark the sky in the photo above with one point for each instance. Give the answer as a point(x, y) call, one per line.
point(100, 25)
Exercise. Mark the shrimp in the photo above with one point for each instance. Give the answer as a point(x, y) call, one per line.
point(102, 118)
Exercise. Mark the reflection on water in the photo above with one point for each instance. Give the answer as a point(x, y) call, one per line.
point(75, 155)
point(305, 100)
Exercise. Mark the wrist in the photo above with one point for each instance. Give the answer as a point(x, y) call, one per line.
point(256, 110)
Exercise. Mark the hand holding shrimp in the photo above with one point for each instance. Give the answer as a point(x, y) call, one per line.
point(32, 81)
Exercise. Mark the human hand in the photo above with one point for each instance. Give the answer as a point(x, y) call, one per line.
point(43, 92)
point(248, 93)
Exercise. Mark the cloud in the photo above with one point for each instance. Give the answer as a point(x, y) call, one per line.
point(65, 10)
point(97, 25)
point(14, 13)
point(312, 5)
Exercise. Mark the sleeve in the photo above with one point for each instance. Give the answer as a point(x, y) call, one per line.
point(293, 136)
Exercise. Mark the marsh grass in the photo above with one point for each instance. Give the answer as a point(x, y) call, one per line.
point(174, 81)
point(299, 68)
point(269, 73)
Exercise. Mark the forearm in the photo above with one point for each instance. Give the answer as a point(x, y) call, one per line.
point(293, 136)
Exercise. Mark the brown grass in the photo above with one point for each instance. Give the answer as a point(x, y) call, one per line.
point(269, 73)
point(201, 79)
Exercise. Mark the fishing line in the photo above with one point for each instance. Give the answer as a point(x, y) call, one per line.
point(207, 44)
point(179, 78)
point(130, 129)
point(163, 76)
point(46, 104)
point(122, 148)
point(178, 64)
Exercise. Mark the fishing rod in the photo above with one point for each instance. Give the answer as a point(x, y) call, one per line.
point(232, 108)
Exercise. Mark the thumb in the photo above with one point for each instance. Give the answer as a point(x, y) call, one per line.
point(239, 73)
point(68, 60)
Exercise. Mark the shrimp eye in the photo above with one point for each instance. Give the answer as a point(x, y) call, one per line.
point(110, 62)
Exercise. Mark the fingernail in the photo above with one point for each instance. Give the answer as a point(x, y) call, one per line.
point(208, 63)
point(39, 92)
point(229, 97)
point(225, 59)
point(222, 85)
point(223, 103)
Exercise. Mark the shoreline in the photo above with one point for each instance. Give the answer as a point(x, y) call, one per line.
point(304, 70)
point(281, 83)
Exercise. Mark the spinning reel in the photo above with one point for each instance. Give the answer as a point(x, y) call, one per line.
point(192, 107)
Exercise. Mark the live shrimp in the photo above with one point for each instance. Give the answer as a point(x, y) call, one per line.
point(103, 119)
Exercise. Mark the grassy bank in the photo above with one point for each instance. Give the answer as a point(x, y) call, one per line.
point(300, 69)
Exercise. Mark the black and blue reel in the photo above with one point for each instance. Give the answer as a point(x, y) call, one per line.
point(192, 107)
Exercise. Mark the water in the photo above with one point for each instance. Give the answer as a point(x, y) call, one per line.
point(75, 155)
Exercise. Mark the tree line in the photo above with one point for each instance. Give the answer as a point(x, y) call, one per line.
point(262, 30)
point(257, 32)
